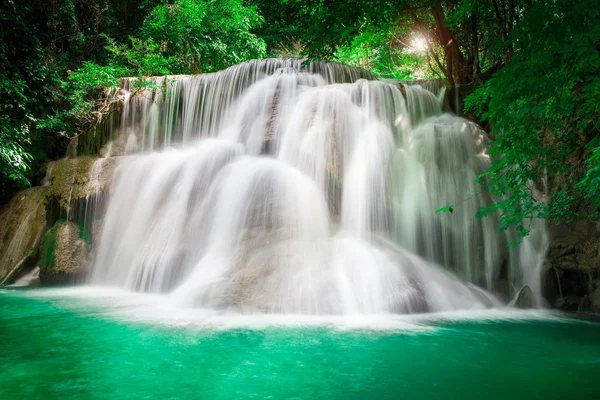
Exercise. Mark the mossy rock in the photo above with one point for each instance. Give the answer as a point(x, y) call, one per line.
point(23, 226)
point(79, 178)
point(74, 189)
point(64, 255)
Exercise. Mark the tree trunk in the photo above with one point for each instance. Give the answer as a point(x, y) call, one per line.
point(458, 72)
point(456, 65)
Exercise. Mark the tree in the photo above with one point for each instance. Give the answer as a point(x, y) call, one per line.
point(57, 54)
point(199, 36)
point(529, 71)
point(543, 106)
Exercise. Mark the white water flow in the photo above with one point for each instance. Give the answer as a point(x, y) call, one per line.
point(281, 189)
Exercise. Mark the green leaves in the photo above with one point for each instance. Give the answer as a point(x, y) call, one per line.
point(590, 184)
point(198, 36)
point(449, 209)
point(14, 160)
point(384, 51)
point(538, 106)
point(140, 58)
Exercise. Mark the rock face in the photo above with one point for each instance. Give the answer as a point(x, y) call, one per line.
point(525, 298)
point(73, 180)
point(594, 301)
point(74, 190)
point(63, 255)
point(21, 231)
point(570, 281)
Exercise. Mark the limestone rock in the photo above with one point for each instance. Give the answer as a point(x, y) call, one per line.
point(525, 298)
point(72, 147)
point(64, 255)
point(568, 303)
point(74, 189)
point(21, 231)
point(573, 262)
point(74, 179)
point(594, 300)
point(120, 145)
point(584, 306)
point(96, 229)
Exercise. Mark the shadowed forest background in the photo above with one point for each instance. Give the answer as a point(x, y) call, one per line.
point(528, 71)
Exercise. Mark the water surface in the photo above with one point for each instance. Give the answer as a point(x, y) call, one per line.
point(79, 344)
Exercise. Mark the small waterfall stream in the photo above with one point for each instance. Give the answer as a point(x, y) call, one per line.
point(280, 186)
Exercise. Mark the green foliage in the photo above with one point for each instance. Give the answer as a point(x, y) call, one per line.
point(189, 36)
point(83, 93)
point(531, 69)
point(57, 57)
point(13, 157)
point(590, 184)
point(384, 52)
point(21, 95)
point(199, 36)
point(449, 209)
point(141, 58)
point(542, 106)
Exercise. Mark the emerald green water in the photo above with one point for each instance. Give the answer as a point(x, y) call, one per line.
point(69, 347)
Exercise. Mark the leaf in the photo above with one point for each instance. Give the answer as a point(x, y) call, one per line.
point(449, 209)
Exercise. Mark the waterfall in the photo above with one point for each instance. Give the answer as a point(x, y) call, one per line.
point(292, 187)
point(180, 109)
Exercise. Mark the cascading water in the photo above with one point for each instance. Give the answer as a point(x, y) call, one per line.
point(302, 190)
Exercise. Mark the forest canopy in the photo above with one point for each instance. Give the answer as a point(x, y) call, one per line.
point(528, 71)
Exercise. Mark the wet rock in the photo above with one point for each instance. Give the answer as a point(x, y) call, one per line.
point(64, 255)
point(573, 262)
point(120, 145)
point(21, 231)
point(569, 303)
point(584, 306)
point(96, 229)
point(79, 178)
point(28, 278)
point(502, 289)
point(78, 189)
point(525, 298)
point(74, 189)
point(594, 300)
point(72, 147)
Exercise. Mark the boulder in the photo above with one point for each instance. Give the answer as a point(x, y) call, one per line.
point(78, 179)
point(75, 189)
point(21, 231)
point(573, 263)
point(525, 298)
point(64, 255)
point(568, 303)
point(594, 300)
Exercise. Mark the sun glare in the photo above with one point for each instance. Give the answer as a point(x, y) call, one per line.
point(419, 43)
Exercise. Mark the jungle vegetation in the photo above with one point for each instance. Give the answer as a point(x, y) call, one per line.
point(527, 70)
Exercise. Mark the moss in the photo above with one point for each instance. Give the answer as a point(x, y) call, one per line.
point(47, 256)
point(84, 232)
point(64, 256)
point(48, 246)
point(68, 176)
point(76, 184)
